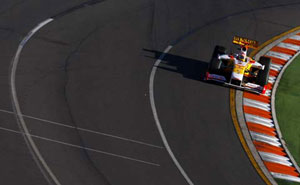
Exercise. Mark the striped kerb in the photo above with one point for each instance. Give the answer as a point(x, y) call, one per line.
point(258, 116)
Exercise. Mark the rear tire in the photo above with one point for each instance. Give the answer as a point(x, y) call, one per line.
point(263, 75)
point(215, 63)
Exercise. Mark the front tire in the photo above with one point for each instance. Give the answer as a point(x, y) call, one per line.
point(219, 50)
point(215, 63)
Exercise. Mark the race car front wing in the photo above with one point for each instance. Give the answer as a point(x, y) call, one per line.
point(251, 87)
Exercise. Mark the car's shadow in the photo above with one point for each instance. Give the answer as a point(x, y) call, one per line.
point(188, 67)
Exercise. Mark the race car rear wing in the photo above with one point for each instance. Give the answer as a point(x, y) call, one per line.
point(245, 42)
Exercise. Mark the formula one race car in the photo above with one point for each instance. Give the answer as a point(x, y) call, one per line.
point(238, 70)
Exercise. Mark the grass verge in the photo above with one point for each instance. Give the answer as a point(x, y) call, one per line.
point(287, 104)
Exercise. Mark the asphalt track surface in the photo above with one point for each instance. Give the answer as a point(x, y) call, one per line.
point(82, 84)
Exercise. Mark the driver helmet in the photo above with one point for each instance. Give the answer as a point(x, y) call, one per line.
point(241, 57)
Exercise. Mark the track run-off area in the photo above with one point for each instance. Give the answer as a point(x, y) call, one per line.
point(111, 92)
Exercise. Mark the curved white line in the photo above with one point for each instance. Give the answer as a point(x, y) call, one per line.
point(29, 141)
point(153, 107)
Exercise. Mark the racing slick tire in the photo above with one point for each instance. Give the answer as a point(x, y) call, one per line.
point(263, 75)
point(218, 50)
point(215, 63)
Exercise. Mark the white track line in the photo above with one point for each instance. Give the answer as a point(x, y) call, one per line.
point(154, 111)
point(278, 55)
point(289, 46)
point(81, 147)
point(45, 169)
point(85, 130)
point(295, 37)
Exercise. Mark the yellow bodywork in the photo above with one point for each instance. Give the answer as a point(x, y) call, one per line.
point(239, 69)
point(242, 69)
point(248, 69)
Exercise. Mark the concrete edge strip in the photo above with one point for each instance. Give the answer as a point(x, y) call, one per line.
point(155, 115)
point(264, 48)
point(43, 166)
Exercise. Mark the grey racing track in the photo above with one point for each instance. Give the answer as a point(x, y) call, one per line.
point(83, 88)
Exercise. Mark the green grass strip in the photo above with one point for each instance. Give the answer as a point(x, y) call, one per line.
point(287, 104)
